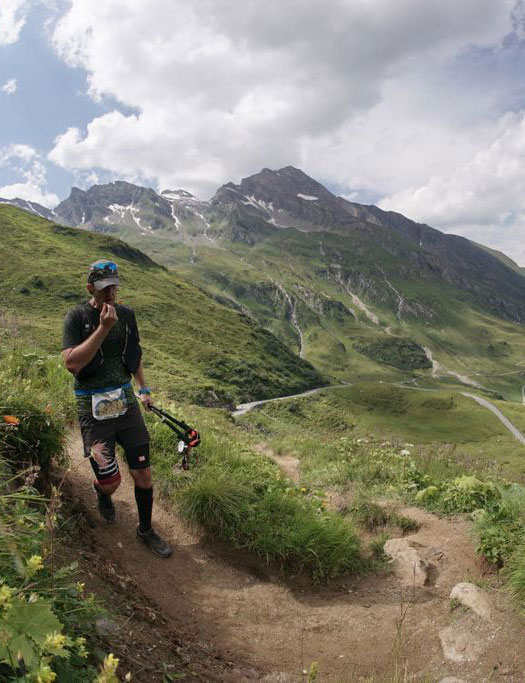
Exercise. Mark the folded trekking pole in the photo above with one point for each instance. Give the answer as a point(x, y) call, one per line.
point(188, 438)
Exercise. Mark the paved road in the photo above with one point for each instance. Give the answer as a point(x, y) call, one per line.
point(245, 407)
point(508, 424)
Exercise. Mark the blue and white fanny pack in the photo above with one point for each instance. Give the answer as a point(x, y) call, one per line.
point(108, 402)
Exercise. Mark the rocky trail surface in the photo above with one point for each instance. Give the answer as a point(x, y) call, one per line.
point(231, 619)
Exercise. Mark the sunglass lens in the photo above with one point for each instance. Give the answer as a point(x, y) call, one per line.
point(105, 265)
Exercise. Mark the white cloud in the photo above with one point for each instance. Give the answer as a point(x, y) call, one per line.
point(13, 15)
point(482, 198)
point(14, 152)
point(223, 88)
point(25, 162)
point(9, 87)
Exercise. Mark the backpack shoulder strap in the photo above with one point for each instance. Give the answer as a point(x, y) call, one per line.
point(88, 324)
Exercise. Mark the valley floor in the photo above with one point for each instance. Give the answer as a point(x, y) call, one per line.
point(258, 627)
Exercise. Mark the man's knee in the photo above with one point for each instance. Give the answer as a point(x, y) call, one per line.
point(142, 478)
point(109, 487)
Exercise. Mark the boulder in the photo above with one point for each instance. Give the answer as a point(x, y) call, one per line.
point(473, 597)
point(409, 566)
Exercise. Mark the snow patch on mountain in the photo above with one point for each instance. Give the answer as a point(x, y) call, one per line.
point(258, 203)
point(176, 194)
point(143, 228)
point(307, 197)
point(274, 222)
point(118, 209)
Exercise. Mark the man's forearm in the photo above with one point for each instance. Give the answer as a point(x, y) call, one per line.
point(139, 376)
point(79, 356)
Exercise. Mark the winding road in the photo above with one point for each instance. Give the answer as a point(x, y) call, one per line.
point(508, 424)
point(245, 407)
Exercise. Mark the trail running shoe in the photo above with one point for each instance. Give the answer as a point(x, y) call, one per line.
point(154, 542)
point(105, 506)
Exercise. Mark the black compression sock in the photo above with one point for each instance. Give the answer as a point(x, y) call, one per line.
point(144, 498)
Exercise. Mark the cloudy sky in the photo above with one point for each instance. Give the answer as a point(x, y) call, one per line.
point(416, 106)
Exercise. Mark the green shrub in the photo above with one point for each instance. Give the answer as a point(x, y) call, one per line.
point(468, 493)
point(44, 614)
point(34, 440)
point(439, 403)
point(515, 574)
point(375, 466)
point(377, 548)
point(428, 496)
point(406, 524)
point(496, 542)
point(401, 353)
point(384, 398)
point(500, 527)
point(36, 390)
point(370, 515)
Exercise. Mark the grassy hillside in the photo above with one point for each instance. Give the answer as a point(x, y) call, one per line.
point(195, 347)
point(292, 281)
point(447, 433)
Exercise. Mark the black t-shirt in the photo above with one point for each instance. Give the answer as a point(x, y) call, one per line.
point(78, 325)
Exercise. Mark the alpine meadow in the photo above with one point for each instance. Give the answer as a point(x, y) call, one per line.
point(342, 498)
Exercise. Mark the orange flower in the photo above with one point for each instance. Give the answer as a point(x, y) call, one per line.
point(11, 420)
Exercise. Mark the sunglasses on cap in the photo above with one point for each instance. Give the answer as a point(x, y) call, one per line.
point(104, 266)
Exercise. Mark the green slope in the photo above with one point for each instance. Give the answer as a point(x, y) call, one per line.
point(462, 337)
point(195, 347)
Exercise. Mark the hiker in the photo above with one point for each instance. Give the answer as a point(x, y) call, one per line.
point(101, 348)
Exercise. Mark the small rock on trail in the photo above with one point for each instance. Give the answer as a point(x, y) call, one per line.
point(463, 642)
point(409, 566)
point(473, 597)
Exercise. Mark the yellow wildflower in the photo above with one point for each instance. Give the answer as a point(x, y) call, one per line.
point(55, 644)
point(11, 420)
point(81, 647)
point(5, 595)
point(34, 565)
point(109, 668)
point(45, 674)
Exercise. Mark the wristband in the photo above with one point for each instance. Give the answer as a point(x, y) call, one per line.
point(145, 391)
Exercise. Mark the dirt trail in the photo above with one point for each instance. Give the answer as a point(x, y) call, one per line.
point(288, 465)
point(350, 628)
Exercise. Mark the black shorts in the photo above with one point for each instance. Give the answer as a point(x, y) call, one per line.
point(128, 430)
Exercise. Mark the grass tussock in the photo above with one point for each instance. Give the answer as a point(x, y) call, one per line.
point(241, 497)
